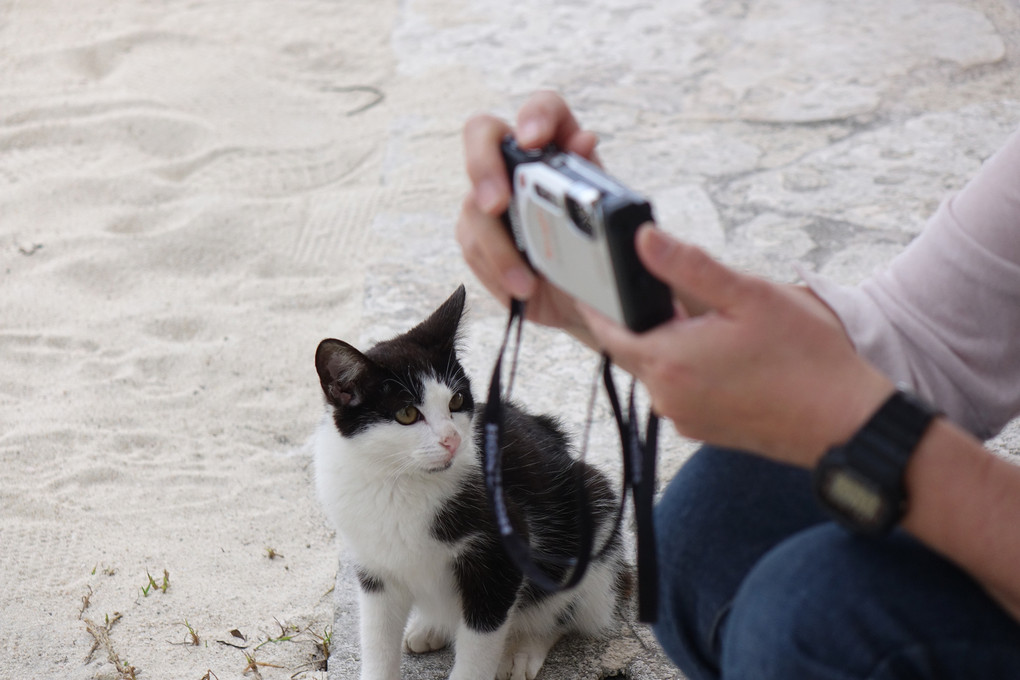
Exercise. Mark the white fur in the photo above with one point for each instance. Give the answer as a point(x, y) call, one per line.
point(381, 489)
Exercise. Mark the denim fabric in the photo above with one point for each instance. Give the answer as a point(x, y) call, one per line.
point(756, 584)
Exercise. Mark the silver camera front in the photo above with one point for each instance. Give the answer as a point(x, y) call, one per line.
point(557, 221)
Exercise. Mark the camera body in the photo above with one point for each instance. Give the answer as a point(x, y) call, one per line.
point(575, 225)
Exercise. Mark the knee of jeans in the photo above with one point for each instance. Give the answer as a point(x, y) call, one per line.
point(691, 523)
point(688, 535)
point(824, 604)
point(704, 541)
point(676, 627)
point(802, 612)
point(707, 542)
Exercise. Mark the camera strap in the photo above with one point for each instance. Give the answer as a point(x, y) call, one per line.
point(639, 477)
point(638, 480)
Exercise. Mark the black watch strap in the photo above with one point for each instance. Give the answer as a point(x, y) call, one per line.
point(861, 483)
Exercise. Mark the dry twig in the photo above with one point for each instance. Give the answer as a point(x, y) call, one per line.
point(101, 638)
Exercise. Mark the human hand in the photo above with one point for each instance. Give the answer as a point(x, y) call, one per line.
point(767, 368)
point(487, 247)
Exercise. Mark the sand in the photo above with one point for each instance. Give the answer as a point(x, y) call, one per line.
point(192, 195)
point(184, 198)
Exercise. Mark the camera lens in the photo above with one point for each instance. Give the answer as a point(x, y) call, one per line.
point(580, 216)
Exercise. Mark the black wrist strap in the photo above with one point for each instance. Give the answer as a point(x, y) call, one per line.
point(526, 559)
point(638, 478)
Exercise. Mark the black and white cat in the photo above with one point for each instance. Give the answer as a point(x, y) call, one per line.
point(398, 473)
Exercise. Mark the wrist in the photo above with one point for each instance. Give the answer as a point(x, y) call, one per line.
point(862, 483)
point(849, 395)
point(848, 409)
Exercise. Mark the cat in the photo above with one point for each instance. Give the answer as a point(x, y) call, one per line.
point(399, 474)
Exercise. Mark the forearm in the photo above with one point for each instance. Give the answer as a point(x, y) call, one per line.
point(771, 370)
point(944, 314)
point(965, 504)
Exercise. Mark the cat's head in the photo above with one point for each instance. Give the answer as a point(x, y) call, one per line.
point(407, 398)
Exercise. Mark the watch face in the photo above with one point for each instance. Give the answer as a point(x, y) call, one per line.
point(854, 496)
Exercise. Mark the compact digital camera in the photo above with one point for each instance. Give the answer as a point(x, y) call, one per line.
point(575, 225)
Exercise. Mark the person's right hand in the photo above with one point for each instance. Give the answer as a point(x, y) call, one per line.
point(487, 247)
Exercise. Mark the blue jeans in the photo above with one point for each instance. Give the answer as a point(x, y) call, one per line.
point(757, 584)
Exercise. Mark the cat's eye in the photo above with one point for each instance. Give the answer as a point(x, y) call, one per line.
point(408, 415)
point(457, 402)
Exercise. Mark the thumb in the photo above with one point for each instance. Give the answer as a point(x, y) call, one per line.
point(700, 282)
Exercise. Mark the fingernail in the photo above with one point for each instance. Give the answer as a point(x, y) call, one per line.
point(655, 246)
point(488, 196)
point(531, 131)
point(519, 282)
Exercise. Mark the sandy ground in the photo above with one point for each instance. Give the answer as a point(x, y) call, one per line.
point(193, 194)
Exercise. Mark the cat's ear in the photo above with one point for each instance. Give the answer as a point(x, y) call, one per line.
point(341, 369)
point(440, 330)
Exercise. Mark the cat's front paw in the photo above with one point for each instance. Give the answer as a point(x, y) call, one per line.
point(520, 666)
point(524, 662)
point(421, 638)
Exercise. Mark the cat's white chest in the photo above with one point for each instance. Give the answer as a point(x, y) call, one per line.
point(386, 525)
point(385, 520)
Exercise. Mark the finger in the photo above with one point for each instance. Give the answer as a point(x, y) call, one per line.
point(492, 255)
point(485, 167)
point(691, 272)
point(583, 144)
point(547, 119)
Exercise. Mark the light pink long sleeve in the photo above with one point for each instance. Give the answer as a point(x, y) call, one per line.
point(944, 317)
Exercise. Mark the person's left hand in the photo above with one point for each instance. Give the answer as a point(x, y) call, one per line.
point(768, 369)
point(484, 240)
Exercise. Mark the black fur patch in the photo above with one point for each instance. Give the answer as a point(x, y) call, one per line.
point(488, 584)
point(539, 482)
point(566, 617)
point(369, 583)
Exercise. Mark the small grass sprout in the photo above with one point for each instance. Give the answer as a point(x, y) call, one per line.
point(253, 666)
point(192, 634)
point(152, 586)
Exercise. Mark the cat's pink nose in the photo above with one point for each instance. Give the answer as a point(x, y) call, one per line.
point(451, 442)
